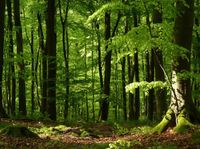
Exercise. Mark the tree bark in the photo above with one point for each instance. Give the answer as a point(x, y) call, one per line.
point(44, 66)
point(107, 72)
point(130, 80)
point(181, 99)
point(137, 78)
point(11, 55)
point(51, 64)
point(2, 15)
point(137, 90)
point(21, 71)
point(159, 74)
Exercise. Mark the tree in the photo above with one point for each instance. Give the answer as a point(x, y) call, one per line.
point(159, 74)
point(65, 42)
point(44, 65)
point(137, 78)
point(51, 64)
point(2, 14)
point(106, 85)
point(181, 99)
point(12, 80)
point(21, 71)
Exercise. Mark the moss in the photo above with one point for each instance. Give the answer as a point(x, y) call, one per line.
point(18, 131)
point(183, 123)
point(162, 126)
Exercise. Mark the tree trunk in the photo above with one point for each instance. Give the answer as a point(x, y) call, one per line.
point(51, 64)
point(65, 42)
point(123, 63)
point(124, 87)
point(107, 72)
point(137, 78)
point(99, 63)
point(32, 72)
point(137, 90)
point(21, 71)
point(44, 66)
point(181, 100)
point(151, 98)
point(11, 56)
point(159, 74)
point(130, 80)
point(2, 14)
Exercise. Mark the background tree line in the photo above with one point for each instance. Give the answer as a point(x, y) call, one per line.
point(99, 60)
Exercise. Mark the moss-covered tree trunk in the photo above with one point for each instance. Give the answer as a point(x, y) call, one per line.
point(181, 107)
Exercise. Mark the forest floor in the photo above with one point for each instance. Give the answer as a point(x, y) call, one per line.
point(96, 136)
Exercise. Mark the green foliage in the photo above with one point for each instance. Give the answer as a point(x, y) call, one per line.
point(119, 130)
point(120, 144)
point(146, 86)
point(124, 144)
point(109, 7)
point(84, 134)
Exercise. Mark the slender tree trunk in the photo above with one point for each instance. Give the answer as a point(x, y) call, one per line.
point(65, 42)
point(161, 104)
point(21, 71)
point(124, 87)
point(99, 64)
point(32, 72)
point(137, 90)
point(85, 92)
point(2, 14)
point(44, 65)
point(130, 80)
point(99, 56)
point(123, 63)
point(137, 78)
point(51, 64)
point(107, 72)
point(11, 56)
point(151, 98)
point(116, 89)
point(93, 84)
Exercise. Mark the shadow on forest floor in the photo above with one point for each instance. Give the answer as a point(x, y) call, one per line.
point(96, 136)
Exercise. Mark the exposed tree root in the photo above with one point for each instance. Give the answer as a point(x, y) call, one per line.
point(182, 125)
point(166, 121)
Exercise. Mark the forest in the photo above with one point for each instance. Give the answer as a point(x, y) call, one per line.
point(100, 74)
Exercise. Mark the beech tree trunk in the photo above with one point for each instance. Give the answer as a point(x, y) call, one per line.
point(44, 66)
point(51, 61)
point(21, 71)
point(130, 80)
point(11, 55)
point(137, 78)
point(181, 99)
point(2, 14)
point(65, 44)
point(160, 94)
point(107, 72)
